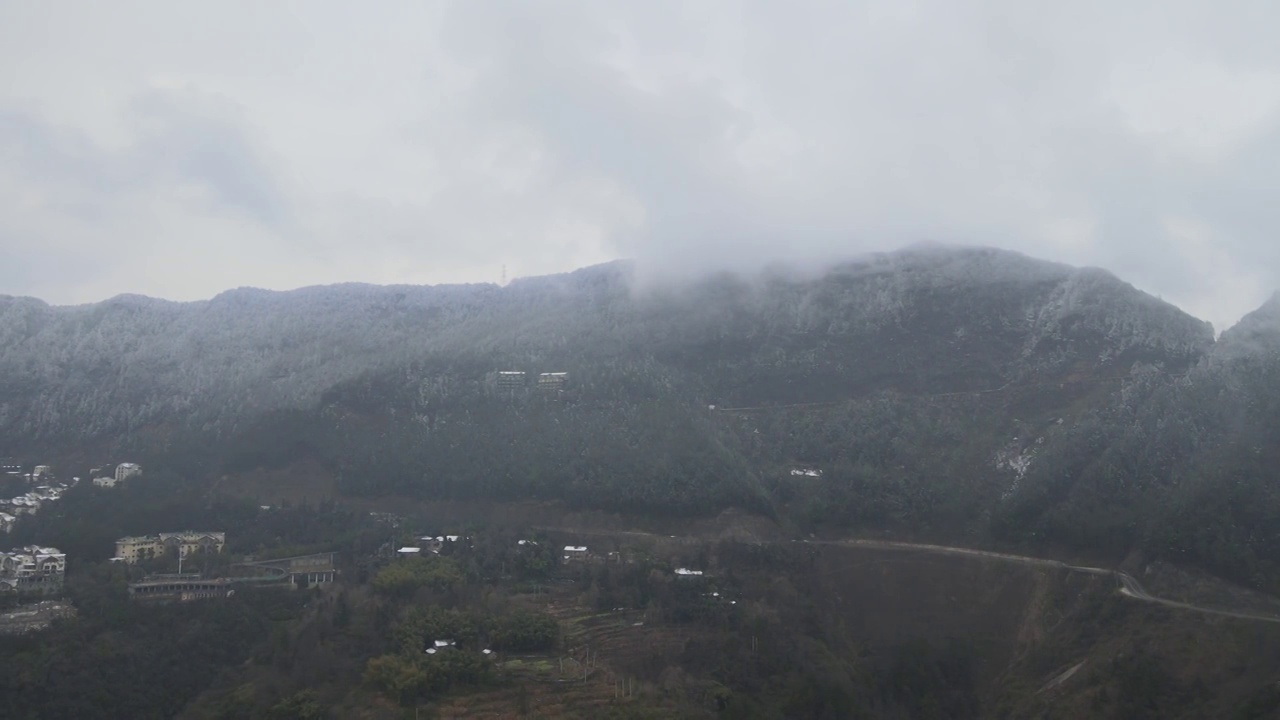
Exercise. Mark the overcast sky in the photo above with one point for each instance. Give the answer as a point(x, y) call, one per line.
point(162, 149)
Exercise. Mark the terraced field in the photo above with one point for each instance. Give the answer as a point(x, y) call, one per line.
point(593, 676)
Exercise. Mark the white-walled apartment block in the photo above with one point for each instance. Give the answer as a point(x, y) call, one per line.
point(124, 471)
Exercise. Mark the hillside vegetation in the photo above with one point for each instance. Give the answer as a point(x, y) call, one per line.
point(950, 393)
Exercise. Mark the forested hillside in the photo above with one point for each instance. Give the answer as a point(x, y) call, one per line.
point(955, 393)
point(1185, 468)
point(925, 319)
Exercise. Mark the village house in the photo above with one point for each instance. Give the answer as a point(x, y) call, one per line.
point(25, 504)
point(436, 544)
point(104, 482)
point(575, 553)
point(439, 645)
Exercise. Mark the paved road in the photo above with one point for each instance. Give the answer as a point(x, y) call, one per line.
point(1060, 679)
point(1129, 585)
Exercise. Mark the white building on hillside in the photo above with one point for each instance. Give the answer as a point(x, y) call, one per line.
point(552, 381)
point(33, 569)
point(124, 471)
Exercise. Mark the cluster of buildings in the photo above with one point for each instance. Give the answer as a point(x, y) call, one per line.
point(428, 543)
point(173, 586)
point(512, 380)
point(439, 646)
point(123, 472)
point(180, 544)
point(292, 572)
point(573, 554)
point(46, 489)
point(33, 569)
point(582, 554)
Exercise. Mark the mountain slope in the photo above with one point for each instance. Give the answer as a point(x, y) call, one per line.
point(1185, 469)
point(82, 371)
point(935, 391)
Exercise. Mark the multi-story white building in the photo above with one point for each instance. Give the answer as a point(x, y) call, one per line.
point(511, 379)
point(182, 544)
point(33, 569)
point(124, 471)
point(552, 381)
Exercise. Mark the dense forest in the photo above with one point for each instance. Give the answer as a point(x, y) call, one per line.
point(967, 395)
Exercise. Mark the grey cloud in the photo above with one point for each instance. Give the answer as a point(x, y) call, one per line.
point(957, 124)
point(180, 144)
point(43, 152)
point(439, 144)
point(190, 137)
